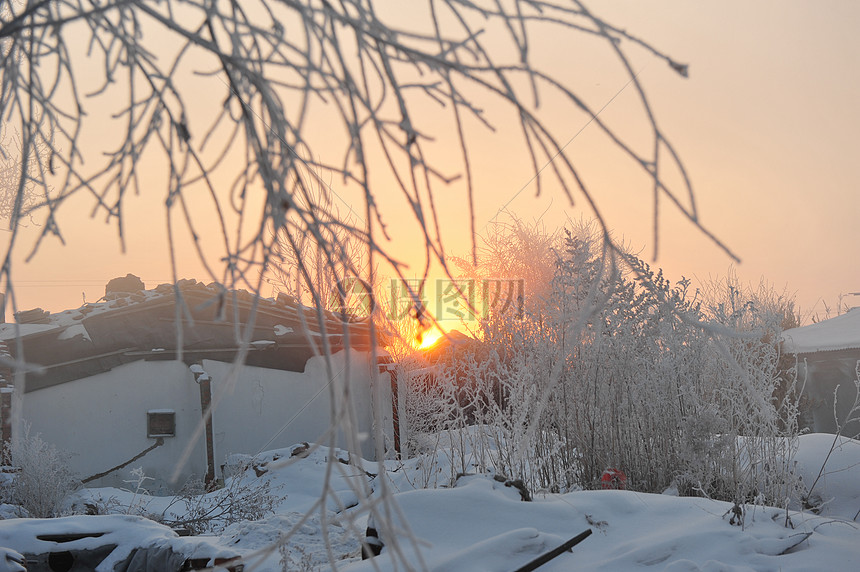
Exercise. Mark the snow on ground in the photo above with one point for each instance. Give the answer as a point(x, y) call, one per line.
point(838, 487)
point(482, 525)
point(478, 527)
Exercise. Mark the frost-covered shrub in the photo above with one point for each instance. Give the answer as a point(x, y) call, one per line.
point(617, 368)
point(246, 495)
point(242, 498)
point(41, 477)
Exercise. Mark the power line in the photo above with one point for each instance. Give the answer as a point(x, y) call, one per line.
point(560, 151)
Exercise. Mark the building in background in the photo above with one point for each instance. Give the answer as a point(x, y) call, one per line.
point(129, 382)
point(828, 358)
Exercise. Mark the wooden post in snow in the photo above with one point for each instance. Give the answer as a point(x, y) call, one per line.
point(205, 384)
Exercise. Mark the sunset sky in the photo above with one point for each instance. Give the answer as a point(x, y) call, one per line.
point(766, 124)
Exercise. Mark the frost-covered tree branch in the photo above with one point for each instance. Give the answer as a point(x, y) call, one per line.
point(267, 65)
point(217, 107)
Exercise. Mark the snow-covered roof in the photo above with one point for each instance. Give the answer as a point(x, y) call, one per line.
point(132, 326)
point(11, 331)
point(839, 333)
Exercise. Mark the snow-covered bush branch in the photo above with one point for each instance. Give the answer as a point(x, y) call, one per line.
point(41, 477)
point(244, 496)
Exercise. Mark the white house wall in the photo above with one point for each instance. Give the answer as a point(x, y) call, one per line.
point(268, 409)
point(102, 421)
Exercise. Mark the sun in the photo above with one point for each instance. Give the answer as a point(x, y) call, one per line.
point(429, 338)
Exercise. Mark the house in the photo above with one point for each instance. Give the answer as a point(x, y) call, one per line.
point(128, 382)
point(828, 357)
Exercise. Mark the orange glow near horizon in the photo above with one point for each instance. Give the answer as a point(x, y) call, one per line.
point(730, 91)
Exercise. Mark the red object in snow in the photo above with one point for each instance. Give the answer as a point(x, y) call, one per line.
point(613, 479)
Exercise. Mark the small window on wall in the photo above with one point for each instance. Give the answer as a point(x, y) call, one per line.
point(161, 423)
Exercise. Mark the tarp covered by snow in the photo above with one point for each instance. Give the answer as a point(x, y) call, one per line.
point(120, 535)
point(839, 333)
